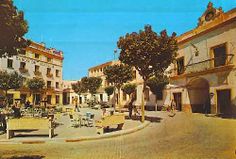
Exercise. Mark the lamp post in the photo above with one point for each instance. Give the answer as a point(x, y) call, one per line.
point(115, 51)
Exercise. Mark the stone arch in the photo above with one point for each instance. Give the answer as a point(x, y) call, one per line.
point(198, 91)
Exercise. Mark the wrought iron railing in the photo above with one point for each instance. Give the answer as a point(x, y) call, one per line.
point(203, 65)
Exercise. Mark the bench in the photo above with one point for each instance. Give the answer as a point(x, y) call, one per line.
point(116, 119)
point(29, 124)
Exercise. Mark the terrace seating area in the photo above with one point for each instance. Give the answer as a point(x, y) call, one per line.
point(60, 122)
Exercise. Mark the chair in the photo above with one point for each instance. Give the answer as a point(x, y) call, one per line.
point(73, 122)
point(90, 120)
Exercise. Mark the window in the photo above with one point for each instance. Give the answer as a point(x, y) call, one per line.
point(180, 65)
point(23, 52)
point(9, 63)
point(36, 68)
point(36, 56)
point(124, 96)
point(57, 73)
point(219, 55)
point(135, 94)
point(57, 99)
point(48, 71)
point(49, 59)
point(146, 94)
point(22, 65)
point(101, 97)
point(57, 84)
point(134, 74)
point(49, 84)
point(49, 99)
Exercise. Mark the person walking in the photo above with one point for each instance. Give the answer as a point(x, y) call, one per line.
point(173, 108)
point(130, 105)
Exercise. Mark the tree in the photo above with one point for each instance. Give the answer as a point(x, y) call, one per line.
point(78, 88)
point(118, 75)
point(157, 84)
point(129, 88)
point(13, 27)
point(109, 90)
point(35, 85)
point(10, 81)
point(91, 84)
point(148, 52)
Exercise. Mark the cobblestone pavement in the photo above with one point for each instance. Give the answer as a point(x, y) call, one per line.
point(182, 136)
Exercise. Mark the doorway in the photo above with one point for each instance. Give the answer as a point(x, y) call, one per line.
point(49, 99)
point(199, 97)
point(224, 102)
point(36, 99)
point(178, 100)
point(23, 98)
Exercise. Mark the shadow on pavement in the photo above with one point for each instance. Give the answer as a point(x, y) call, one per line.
point(25, 157)
point(148, 118)
point(224, 116)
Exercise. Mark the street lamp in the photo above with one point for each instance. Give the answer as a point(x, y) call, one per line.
point(115, 51)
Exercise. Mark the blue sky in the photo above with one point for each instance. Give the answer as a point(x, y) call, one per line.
point(87, 30)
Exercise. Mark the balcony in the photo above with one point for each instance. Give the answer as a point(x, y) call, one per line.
point(38, 73)
point(23, 70)
point(50, 89)
point(49, 75)
point(212, 64)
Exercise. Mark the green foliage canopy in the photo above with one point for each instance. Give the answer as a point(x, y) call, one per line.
point(109, 90)
point(78, 87)
point(10, 81)
point(147, 51)
point(157, 84)
point(36, 84)
point(13, 27)
point(118, 74)
point(91, 84)
point(129, 88)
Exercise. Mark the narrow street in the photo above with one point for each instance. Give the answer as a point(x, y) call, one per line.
point(183, 136)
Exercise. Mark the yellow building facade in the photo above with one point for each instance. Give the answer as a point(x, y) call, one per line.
point(37, 61)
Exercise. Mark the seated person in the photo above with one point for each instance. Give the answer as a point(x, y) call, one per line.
point(27, 104)
point(16, 111)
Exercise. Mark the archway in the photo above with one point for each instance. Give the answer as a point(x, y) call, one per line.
point(198, 90)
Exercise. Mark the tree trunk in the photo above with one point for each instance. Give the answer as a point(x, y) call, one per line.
point(119, 104)
point(142, 104)
point(155, 102)
point(6, 98)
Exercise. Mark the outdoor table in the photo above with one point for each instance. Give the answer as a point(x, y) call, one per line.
point(80, 118)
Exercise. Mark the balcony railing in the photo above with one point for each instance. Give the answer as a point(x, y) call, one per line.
point(37, 73)
point(23, 70)
point(204, 65)
point(49, 75)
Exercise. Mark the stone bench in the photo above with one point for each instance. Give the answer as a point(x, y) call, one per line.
point(116, 119)
point(29, 124)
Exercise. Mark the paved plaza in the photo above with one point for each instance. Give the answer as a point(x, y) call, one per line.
point(182, 136)
point(64, 130)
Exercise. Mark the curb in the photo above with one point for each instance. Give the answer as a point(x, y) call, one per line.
point(110, 135)
point(83, 138)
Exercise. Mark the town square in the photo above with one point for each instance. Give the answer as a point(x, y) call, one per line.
point(117, 79)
